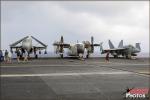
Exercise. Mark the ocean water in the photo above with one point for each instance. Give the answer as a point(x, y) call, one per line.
point(96, 54)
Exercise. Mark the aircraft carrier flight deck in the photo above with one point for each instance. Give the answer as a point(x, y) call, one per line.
point(73, 79)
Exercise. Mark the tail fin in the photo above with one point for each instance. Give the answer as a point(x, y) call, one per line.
point(92, 44)
point(111, 46)
point(120, 44)
point(62, 39)
point(92, 40)
point(101, 47)
point(137, 45)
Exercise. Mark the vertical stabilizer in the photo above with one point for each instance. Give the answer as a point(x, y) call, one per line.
point(101, 47)
point(120, 44)
point(62, 39)
point(137, 45)
point(111, 46)
point(92, 44)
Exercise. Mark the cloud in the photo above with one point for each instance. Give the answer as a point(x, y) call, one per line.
point(76, 20)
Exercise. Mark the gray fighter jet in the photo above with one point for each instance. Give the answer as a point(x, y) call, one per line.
point(76, 49)
point(125, 51)
point(26, 43)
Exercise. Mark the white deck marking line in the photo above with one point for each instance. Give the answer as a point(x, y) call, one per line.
point(45, 65)
point(65, 74)
point(118, 63)
point(127, 64)
point(75, 65)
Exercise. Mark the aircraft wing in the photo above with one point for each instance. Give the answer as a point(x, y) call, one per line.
point(112, 50)
point(65, 45)
point(17, 42)
point(39, 42)
point(96, 44)
point(14, 47)
point(39, 47)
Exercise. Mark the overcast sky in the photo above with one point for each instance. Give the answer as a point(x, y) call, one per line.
point(76, 20)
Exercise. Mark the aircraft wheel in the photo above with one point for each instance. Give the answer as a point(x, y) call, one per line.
point(61, 55)
point(87, 56)
point(115, 56)
point(36, 56)
point(80, 55)
point(128, 57)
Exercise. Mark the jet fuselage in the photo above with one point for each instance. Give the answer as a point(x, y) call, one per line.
point(76, 49)
point(129, 50)
point(27, 44)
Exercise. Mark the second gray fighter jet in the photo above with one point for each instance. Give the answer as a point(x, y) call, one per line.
point(126, 51)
